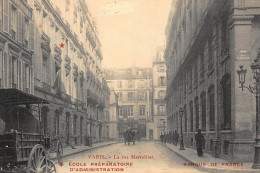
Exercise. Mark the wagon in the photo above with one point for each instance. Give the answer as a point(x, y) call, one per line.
point(129, 136)
point(24, 149)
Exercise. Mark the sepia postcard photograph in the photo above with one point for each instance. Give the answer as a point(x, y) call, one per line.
point(129, 86)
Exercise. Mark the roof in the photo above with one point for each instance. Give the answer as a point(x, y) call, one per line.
point(13, 96)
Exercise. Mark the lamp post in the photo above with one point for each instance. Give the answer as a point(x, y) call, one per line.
point(255, 90)
point(164, 127)
point(181, 136)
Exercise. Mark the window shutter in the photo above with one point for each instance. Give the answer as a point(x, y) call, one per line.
point(31, 37)
point(6, 15)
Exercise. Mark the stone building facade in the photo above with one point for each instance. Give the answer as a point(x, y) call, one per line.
point(205, 40)
point(158, 123)
point(56, 56)
point(114, 116)
point(134, 89)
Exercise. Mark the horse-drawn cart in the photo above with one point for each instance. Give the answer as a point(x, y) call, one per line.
point(20, 149)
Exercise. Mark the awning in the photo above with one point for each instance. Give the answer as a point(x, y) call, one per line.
point(17, 97)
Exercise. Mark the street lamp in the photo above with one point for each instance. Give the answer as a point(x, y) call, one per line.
point(255, 90)
point(164, 127)
point(181, 137)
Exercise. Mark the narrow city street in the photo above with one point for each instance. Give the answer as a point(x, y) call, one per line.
point(155, 158)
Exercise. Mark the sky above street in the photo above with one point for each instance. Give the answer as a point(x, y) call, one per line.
point(130, 31)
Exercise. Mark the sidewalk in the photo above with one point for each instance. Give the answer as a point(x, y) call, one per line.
point(206, 162)
point(68, 151)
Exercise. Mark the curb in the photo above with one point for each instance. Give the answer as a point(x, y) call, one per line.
point(84, 150)
point(210, 169)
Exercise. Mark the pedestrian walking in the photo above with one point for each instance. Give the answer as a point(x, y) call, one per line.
point(161, 137)
point(199, 137)
point(170, 137)
point(177, 137)
point(164, 138)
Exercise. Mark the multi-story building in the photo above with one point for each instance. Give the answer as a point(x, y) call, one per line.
point(16, 60)
point(134, 89)
point(113, 121)
point(207, 40)
point(158, 123)
point(52, 51)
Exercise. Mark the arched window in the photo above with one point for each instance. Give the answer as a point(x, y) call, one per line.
point(211, 108)
point(191, 116)
point(196, 102)
point(226, 102)
point(203, 110)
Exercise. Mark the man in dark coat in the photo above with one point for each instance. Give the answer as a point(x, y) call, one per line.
point(199, 142)
point(161, 137)
point(177, 137)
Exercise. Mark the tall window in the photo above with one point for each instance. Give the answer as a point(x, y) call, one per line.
point(161, 81)
point(211, 109)
point(141, 84)
point(130, 84)
point(119, 96)
point(203, 110)
point(191, 116)
point(197, 113)
point(142, 110)
point(75, 124)
point(45, 69)
point(161, 109)
point(226, 90)
point(119, 84)
point(161, 68)
point(6, 16)
point(161, 94)
point(130, 96)
point(127, 110)
point(26, 33)
point(142, 96)
point(14, 23)
point(20, 27)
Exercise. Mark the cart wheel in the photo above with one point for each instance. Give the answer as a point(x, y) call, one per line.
point(50, 167)
point(59, 151)
point(37, 161)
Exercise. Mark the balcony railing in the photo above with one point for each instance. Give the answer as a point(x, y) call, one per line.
point(224, 52)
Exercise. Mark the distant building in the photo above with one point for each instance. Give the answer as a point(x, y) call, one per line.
point(158, 124)
point(207, 41)
point(134, 89)
point(113, 116)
